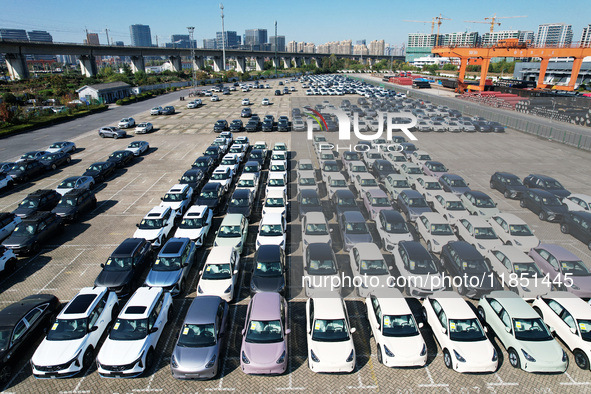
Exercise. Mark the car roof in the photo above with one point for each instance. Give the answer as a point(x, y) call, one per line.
point(477, 193)
point(394, 304)
point(37, 216)
point(157, 212)
point(582, 214)
point(241, 193)
point(336, 175)
point(412, 193)
point(375, 192)
point(211, 185)
point(344, 193)
point(174, 247)
point(203, 310)
point(513, 254)
point(506, 174)
point(572, 303)
point(248, 175)
point(219, 254)
point(434, 217)
point(328, 308)
point(84, 301)
point(415, 250)
point(178, 188)
point(465, 250)
point(366, 175)
point(13, 313)
point(392, 215)
point(268, 253)
point(308, 174)
point(252, 163)
point(542, 176)
point(265, 306)
point(454, 305)
point(276, 174)
point(276, 193)
point(369, 250)
point(452, 176)
point(515, 306)
point(558, 251)
point(271, 218)
point(510, 218)
point(584, 197)
point(308, 193)
point(315, 217)
point(196, 211)
point(232, 219)
point(140, 304)
point(128, 247)
point(353, 216)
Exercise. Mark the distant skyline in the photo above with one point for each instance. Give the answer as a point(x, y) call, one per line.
point(309, 21)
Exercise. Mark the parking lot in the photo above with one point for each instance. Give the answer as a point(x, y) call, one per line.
point(72, 260)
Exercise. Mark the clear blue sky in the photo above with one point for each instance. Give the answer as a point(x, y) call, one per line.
point(310, 21)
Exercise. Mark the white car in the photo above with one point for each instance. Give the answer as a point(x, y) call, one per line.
point(8, 223)
point(370, 156)
point(156, 111)
point(71, 342)
point(569, 318)
point(249, 181)
point(239, 150)
point(459, 333)
point(232, 232)
point(214, 97)
point(220, 273)
point(75, 183)
point(395, 183)
point(179, 197)
point(8, 260)
point(245, 101)
point(514, 231)
point(195, 224)
point(307, 181)
point(143, 128)
point(126, 123)
point(328, 334)
point(231, 161)
point(450, 207)
point(419, 157)
point(315, 229)
point(276, 201)
point(279, 156)
point(518, 271)
point(62, 146)
point(279, 146)
point(156, 225)
point(411, 171)
point(354, 168)
point(396, 158)
point(130, 348)
point(261, 145)
point(398, 339)
point(367, 262)
point(479, 203)
point(194, 104)
point(5, 181)
point(272, 230)
point(223, 176)
point(276, 181)
point(138, 147)
point(363, 182)
point(428, 186)
point(477, 232)
point(278, 167)
point(222, 142)
point(435, 230)
point(265, 101)
point(578, 202)
point(335, 182)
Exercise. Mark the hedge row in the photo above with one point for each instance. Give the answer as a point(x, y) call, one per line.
point(144, 96)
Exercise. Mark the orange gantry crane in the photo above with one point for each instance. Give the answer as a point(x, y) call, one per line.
point(513, 48)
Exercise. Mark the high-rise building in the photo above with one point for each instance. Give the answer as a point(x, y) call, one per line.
point(361, 42)
point(210, 43)
point(345, 47)
point(14, 34)
point(92, 39)
point(360, 50)
point(292, 46)
point(41, 36)
point(309, 47)
point(376, 47)
point(279, 41)
point(231, 39)
point(254, 38)
point(420, 45)
point(141, 35)
point(586, 36)
point(526, 36)
point(554, 34)
point(180, 41)
point(301, 46)
point(489, 39)
point(463, 38)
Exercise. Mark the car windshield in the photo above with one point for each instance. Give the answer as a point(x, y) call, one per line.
point(197, 335)
point(484, 233)
point(422, 267)
point(269, 269)
point(527, 270)
point(417, 202)
point(259, 147)
point(307, 181)
point(50, 157)
point(57, 145)
point(29, 203)
point(401, 184)
point(171, 197)
point(346, 202)
point(188, 178)
point(264, 332)
point(313, 201)
point(67, 184)
point(305, 167)
point(18, 167)
point(484, 202)
point(278, 167)
point(351, 156)
point(432, 186)
point(142, 125)
point(380, 202)
point(135, 144)
point(465, 330)
point(457, 183)
point(271, 230)
point(208, 195)
point(437, 168)
point(117, 155)
point(338, 183)
point(28, 156)
point(200, 163)
point(220, 176)
point(316, 229)
point(236, 150)
point(395, 227)
point(150, 224)
point(399, 326)
point(356, 228)
point(95, 168)
point(441, 229)
point(454, 206)
point(553, 185)
point(67, 330)
point(119, 264)
point(584, 327)
point(189, 223)
point(25, 229)
point(5, 334)
point(512, 181)
point(167, 264)
point(274, 202)
point(245, 183)
point(229, 232)
point(373, 267)
point(228, 162)
point(551, 201)
point(330, 330)
point(322, 267)
point(574, 268)
point(374, 156)
point(368, 182)
point(531, 330)
point(129, 330)
point(276, 182)
point(217, 271)
point(252, 168)
point(280, 147)
point(413, 170)
point(520, 230)
point(358, 168)
point(474, 266)
point(239, 202)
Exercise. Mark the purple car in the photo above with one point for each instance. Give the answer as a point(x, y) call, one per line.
point(434, 168)
point(264, 337)
point(375, 200)
point(564, 268)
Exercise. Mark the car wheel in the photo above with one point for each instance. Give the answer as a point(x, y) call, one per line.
point(53, 166)
point(514, 358)
point(542, 215)
point(35, 248)
point(88, 358)
point(481, 314)
point(5, 374)
point(564, 228)
point(522, 203)
point(149, 360)
point(581, 359)
point(182, 286)
point(115, 136)
point(10, 266)
point(68, 160)
point(447, 359)
point(101, 135)
point(429, 247)
point(380, 357)
point(507, 194)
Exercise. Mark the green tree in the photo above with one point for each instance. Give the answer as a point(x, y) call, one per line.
point(9, 98)
point(449, 67)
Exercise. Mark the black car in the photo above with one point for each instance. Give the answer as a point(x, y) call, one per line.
point(55, 159)
point(246, 113)
point(283, 125)
point(454, 184)
point(74, 203)
point(252, 126)
point(277, 92)
point(123, 269)
point(268, 270)
point(5, 167)
point(544, 204)
point(412, 203)
point(415, 259)
point(205, 164)
point(343, 201)
point(193, 177)
point(252, 167)
point(22, 324)
point(381, 169)
point(221, 125)
point(28, 236)
point(508, 184)
point(212, 195)
point(26, 170)
point(100, 171)
point(242, 201)
point(236, 125)
point(215, 153)
point(547, 183)
point(578, 224)
point(482, 127)
point(121, 158)
point(267, 125)
point(407, 148)
point(258, 156)
point(496, 127)
point(38, 201)
point(463, 260)
point(308, 201)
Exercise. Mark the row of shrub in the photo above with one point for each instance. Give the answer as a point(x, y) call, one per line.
point(144, 96)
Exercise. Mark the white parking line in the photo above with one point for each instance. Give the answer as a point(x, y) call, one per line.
point(59, 273)
point(501, 382)
point(289, 370)
point(432, 382)
point(144, 193)
point(573, 382)
point(116, 193)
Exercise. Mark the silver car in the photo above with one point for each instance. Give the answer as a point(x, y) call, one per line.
point(172, 266)
point(111, 131)
point(196, 354)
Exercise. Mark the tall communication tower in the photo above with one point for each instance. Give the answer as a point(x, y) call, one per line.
point(194, 75)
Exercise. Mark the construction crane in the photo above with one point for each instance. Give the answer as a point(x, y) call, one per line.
point(492, 20)
point(438, 19)
point(432, 22)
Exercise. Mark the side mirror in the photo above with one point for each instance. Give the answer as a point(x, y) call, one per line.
point(508, 329)
point(443, 330)
point(552, 330)
point(243, 331)
point(102, 265)
point(235, 272)
point(287, 331)
point(137, 225)
point(390, 267)
point(200, 272)
point(330, 230)
point(153, 330)
point(572, 329)
point(352, 330)
point(93, 329)
point(486, 330)
point(421, 325)
point(161, 198)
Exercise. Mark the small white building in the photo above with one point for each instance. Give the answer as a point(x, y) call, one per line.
point(104, 92)
point(429, 60)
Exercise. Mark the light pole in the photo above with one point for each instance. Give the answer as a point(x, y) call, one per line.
point(276, 49)
point(223, 39)
point(194, 75)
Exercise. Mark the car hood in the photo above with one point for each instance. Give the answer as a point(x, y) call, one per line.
point(267, 284)
point(243, 210)
point(484, 245)
point(56, 352)
point(308, 239)
point(121, 352)
point(64, 210)
point(263, 353)
point(149, 235)
point(24, 212)
point(91, 173)
point(214, 287)
point(113, 279)
point(517, 188)
point(405, 347)
point(174, 205)
point(18, 240)
point(358, 238)
point(189, 233)
point(418, 211)
point(133, 149)
point(459, 190)
point(194, 358)
point(555, 208)
point(163, 278)
point(474, 351)
point(560, 192)
point(332, 352)
point(582, 282)
point(233, 241)
point(543, 351)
